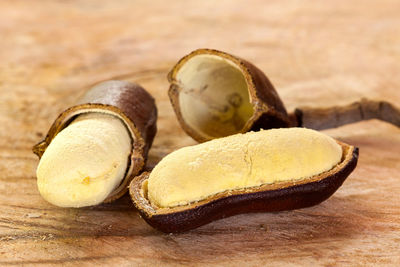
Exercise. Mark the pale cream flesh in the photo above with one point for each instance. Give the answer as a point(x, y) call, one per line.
point(240, 161)
point(85, 162)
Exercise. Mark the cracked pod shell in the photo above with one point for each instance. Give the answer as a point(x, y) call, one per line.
point(268, 110)
point(127, 101)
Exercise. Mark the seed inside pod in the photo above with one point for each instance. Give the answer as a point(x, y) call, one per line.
point(85, 162)
point(240, 161)
point(278, 169)
point(95, 147)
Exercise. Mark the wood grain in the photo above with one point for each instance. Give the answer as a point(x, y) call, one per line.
point(316, 53)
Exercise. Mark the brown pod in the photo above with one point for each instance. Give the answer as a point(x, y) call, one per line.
point(127, 101)
point(215, 94)
point(266, 198)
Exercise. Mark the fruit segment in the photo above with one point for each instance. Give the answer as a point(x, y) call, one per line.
point(85, 162)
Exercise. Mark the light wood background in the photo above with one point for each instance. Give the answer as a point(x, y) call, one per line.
point(316, 53)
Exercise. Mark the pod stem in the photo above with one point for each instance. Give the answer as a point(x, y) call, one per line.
point(332, 117)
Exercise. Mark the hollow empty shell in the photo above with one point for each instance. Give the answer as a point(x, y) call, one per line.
point(215, 94)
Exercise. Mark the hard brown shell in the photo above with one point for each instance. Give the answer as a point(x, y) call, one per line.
point(269, 111)
point(266, 198)
point(128, 101)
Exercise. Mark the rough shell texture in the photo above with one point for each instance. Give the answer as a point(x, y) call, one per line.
point(269, 111)
point(128, 101)
point(267, 198)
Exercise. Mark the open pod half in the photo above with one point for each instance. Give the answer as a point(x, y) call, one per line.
point(130, 103)
point(215, 94)
point(285, 194)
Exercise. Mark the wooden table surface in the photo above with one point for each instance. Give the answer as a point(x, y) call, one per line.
point(316, 53)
